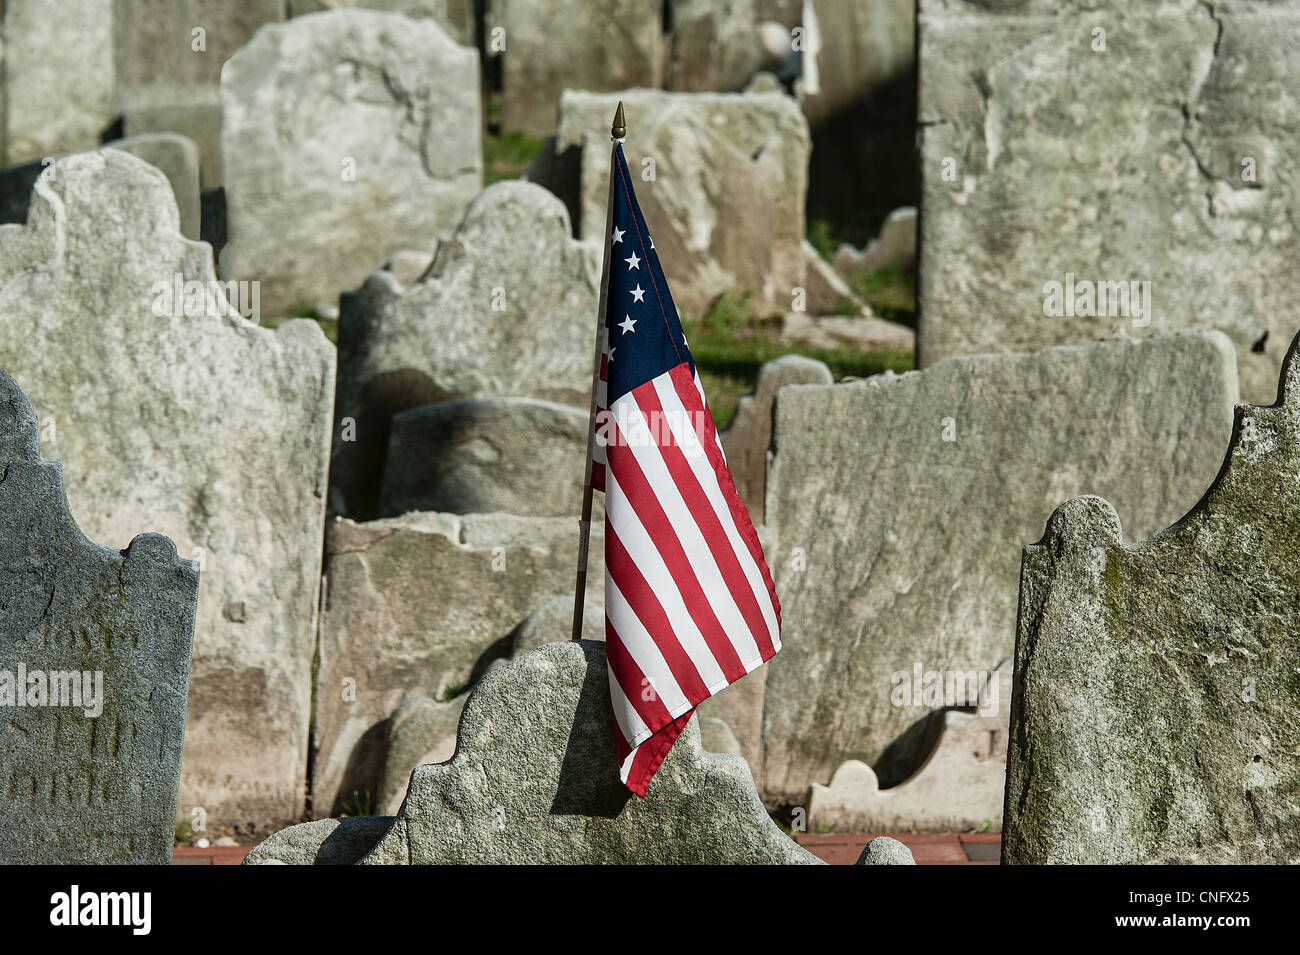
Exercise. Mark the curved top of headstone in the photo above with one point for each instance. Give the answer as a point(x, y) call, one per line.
point(534, 779)
point(70, 608)
point(1155, 694)
point(20, 436)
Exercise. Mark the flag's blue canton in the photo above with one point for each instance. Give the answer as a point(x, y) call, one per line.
point(645, 337)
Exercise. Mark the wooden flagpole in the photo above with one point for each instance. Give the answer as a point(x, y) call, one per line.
point(617, 131)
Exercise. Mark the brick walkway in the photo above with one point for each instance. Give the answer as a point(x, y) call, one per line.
point(928, 848)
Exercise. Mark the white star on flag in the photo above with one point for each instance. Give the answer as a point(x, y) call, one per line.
point(638, 293)
point(628, 324)
point(633, 262)
point(618, 235)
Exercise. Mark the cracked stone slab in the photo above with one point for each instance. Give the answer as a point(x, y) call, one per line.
point(346, 135)
point(534, 779)
point(1155, 699)
point(898, 525)
point(94, 666)
point(173, 412)
point(424, 604)
point(1159, 159)
point(507, 309)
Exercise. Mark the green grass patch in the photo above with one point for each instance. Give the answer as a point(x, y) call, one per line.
point(730, 342)
point(508, 155)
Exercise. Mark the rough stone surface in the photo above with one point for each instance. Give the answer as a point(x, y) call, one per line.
point(195, 113)
point(895, 247)
point(323, 842)
point(826, 291)
point(535, 779)
point(726, 201)
point(346, 136)
point(1135, 156)
point(177, 157)
point(58, 77)
point(514, 455)
point(885, 851)
point(509, 308)
point(194, 422)
point(421, 731)
point(96, 644)
point(423, 604)
point(957, 789)
point(896, 548)
point(1153, 719)
point(558, 45)
point(552, 622)
point(746, 439)
point(715, 45)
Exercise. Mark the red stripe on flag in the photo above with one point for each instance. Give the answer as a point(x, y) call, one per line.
point(641, 598)
point(702, 512)
point(684, 385)
point(650, 754)
point(645, 502)
point(634, 682)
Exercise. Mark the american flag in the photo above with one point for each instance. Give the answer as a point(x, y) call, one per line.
point(689, 603)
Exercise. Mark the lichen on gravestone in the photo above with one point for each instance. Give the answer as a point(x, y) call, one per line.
point(94, 671)
point(1153, 711)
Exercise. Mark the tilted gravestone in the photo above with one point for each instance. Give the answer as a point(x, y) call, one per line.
point(423, 604)
point(513, 455)
point(508, 309)
point(1156, 138)
point(346, 135)
point(169, 410)
point(899, 522)
point(534, 779)
point(94, 665)
point(746, 439)
point(1155, 699)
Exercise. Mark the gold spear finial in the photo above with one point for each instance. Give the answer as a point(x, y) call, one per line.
point(619, 129)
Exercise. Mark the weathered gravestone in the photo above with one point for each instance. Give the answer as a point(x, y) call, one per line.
point(899, 521)
point(721, 176)
point(534, 779)
point(1155, 137)
point(170, 411)
point(177, 157)
point(346, 136)
point(1154, 715)
point(423, 604)
point(514, 455)
point(94, 664)
point(57, 91)
point(509, 308)
point(746, 439)
point(549, 46)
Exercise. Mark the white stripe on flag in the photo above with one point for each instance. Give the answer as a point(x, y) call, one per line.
point(640, 546)
point(645, 653)
point(675, 411)
point(698, 554)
